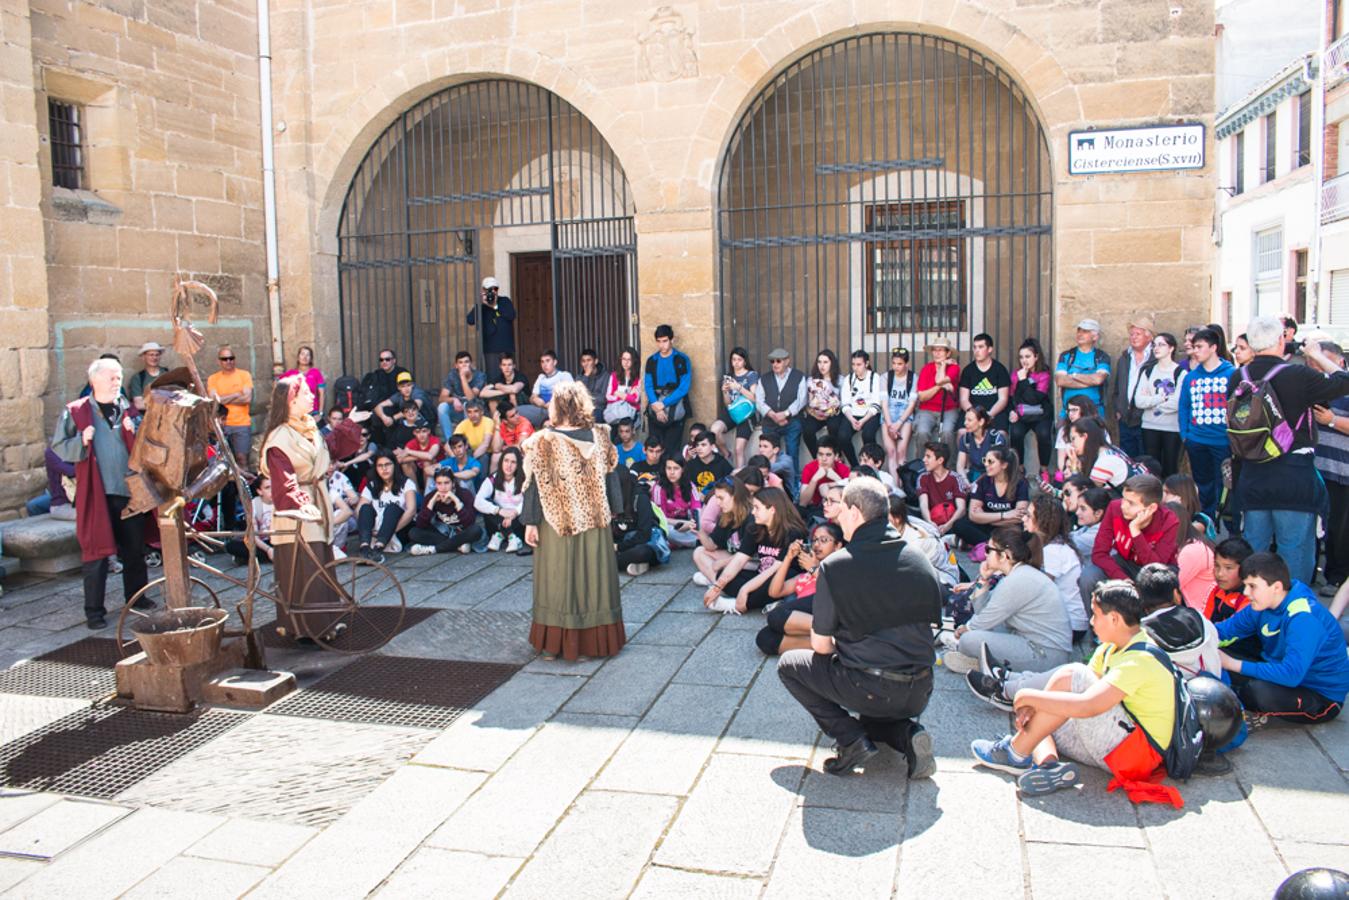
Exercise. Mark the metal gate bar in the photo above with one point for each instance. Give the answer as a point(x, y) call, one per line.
point(881, 191)
point(448, 192)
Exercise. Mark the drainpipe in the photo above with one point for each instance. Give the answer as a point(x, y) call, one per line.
point(269, 178)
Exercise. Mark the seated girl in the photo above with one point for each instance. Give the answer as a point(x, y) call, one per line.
point(679, 500)
point(739, 588)
point(388, 504)
point(717, 544)
point(500, 500)
point(788, 623)
point(1000, 497)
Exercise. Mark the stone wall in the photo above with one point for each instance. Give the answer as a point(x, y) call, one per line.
point(667, 86)
point(169, 94)
point(23, 275)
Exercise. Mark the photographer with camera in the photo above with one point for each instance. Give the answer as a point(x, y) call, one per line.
point(498, 323)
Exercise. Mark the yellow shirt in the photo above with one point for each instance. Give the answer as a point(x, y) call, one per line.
point(223, 384)
point(475, 434)
point(1149, 691)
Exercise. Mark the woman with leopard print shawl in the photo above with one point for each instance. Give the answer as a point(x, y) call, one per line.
point(570, 492)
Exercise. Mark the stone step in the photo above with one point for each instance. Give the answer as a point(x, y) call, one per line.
point(43, 545)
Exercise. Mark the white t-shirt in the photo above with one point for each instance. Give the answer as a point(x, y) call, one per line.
point(900, 393)
point(544, 384)
point(1063, 565)
point(382, 502)
point(262, 518)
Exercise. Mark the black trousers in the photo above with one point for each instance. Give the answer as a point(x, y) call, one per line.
point(492, 525)
point(758, 598)
point(769, 638)
point(1337, 532)
point(811, 428)
point(971, 532)
point(445, 543)
point(1297, 704)
point(828, 690)
point(642, 553)
point(1163, 446)
point(129, 536)
point(382, 530)
point(671, 433)
point(1043, 428)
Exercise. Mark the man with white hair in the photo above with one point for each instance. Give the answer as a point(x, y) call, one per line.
point(1283, 494)
point(96, 434)
point(1124, 391)
point(498, 324)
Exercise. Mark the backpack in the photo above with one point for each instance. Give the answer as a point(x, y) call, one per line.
point(346, 391)
point(1187, 736)
point(1256, 427)
point(681, 368)
point(890, 385)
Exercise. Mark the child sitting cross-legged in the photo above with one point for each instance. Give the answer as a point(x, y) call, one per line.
point(1100, 714)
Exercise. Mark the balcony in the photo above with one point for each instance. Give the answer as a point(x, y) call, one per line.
point(1335, 199)
point(1336, 61)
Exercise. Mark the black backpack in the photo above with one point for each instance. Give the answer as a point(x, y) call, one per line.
point(346, 393)
point(1187, 735)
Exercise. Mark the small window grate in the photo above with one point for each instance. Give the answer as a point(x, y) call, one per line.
point(67, 144)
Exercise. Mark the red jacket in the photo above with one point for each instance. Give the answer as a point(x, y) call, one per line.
point(1157, 543)
point(93, 528)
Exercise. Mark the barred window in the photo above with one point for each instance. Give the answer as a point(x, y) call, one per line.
point(1304, 130)
point(916, 282)
point(67, 137)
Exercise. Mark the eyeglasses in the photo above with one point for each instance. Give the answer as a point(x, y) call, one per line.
point(385, 465)
point(991, 550)
point(226, 358)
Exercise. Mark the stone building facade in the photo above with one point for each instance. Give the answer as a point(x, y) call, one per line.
point(671, 93)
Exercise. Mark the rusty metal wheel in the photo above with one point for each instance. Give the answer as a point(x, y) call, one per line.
point(199, 594)
point(351, 605)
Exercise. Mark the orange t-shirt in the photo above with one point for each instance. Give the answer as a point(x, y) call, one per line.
point(222, 385)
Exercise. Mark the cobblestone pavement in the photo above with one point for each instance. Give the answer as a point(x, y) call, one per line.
point(679, 768)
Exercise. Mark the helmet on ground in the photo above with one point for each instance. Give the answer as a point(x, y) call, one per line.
point(1219, 710)
point(1314, 884)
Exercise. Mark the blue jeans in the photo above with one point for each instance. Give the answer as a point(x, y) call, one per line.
point(1296, 534)
point(1131, 440)
point(1206, 463)
point(791, 439)
point(445, 412)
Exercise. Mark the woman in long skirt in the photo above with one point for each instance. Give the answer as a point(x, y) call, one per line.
point(569, 496)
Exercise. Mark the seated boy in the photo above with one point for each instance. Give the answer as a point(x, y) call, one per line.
point(630, 452)
point(1303, 673)
point(1228, 597)
point(478, 430)
point(1137, 530)
point(1087, 512)
point(873, 455)
point(446, 521)
point(652, 465)
point(707, 466)
point(941, 496)
point(511, 430)
point(770, 448)
point(465, 469)
point(1101, 713)
point(1187, 637)
point(420, 455)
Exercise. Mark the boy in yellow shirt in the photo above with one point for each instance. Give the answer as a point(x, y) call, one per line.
point(1088, 712)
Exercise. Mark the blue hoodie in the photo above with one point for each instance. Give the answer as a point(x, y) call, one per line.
point(1301, 644)
point(1203, 405)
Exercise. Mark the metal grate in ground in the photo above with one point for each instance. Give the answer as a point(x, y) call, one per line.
point(359, 635)
point(82, 670)
point(102, 751)
point(396, 690)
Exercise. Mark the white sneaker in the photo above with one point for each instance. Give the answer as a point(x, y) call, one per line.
point(422, 550)
point(638, 568)
point(701, 580)
point(513, 543)
point(958, 662)
point(495, 543)
point(724, 605)
point(465, 548)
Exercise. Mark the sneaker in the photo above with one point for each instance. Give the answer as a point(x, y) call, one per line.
point(465, 549)
point(958, 662)
point(525, 551)
point(701, 580)
point(638, 568)
point(114, 566)
point(999, 670)
point(922, 761)
point(1046, 779)
point(153, 559)
point(852, 758)
point(513, 544)
point(724, 605)
point(1000, 755)
point(495, 543)
point(989, 689)
point(1254, 720)
point(422, 550)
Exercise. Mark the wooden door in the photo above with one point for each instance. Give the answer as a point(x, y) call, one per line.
point(532, 292)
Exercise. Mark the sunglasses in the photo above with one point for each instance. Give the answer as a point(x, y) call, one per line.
point(226, 358)
point(386, 359)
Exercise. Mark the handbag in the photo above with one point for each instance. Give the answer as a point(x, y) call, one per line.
point(619, 410)
point(740, 409)
point(1030, 412)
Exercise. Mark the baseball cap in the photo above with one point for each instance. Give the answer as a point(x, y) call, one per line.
point(1089, 325)
point(900, 352)
point(420, 424)
point(404, 377)
point(150, 345)
point(779, 353)
point(490, 282)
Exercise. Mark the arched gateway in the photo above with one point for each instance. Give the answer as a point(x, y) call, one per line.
point(881, 191)
point(492, 177)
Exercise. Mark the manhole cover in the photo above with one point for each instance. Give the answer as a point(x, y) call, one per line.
point(83, 670)
point(102, 751)
point(395, 690)
point(361, 634)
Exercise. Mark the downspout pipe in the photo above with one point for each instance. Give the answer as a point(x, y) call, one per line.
point(269, 178)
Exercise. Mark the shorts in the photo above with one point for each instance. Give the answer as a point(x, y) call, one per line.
point(240, 438)
point(743, 430)
point(1091, 740)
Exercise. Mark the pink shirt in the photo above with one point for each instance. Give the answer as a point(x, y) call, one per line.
point(1196, 573)
point(313, 377)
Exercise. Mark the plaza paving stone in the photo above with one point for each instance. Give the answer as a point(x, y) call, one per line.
point(680, 768)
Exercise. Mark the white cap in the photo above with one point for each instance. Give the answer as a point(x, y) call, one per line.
point(490, 282)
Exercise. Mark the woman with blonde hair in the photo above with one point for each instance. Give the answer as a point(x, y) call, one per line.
point(570, 495)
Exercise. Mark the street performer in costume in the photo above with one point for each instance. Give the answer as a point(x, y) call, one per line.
point(96, 433)
point(570, 490)
point(297, 457)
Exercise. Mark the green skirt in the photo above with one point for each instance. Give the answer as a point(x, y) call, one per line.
point(577, 608)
